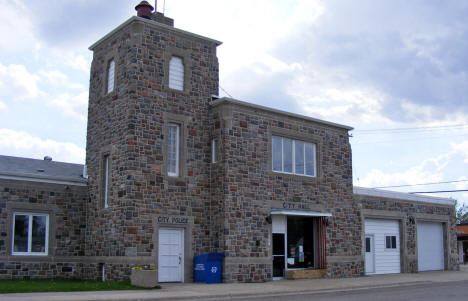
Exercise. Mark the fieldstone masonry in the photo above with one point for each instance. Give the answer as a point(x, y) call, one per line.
point(67, 227)
point(222, 206)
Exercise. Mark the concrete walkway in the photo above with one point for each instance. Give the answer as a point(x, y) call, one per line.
point(231, 291)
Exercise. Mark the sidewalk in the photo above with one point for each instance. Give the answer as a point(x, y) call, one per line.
point(226, 291)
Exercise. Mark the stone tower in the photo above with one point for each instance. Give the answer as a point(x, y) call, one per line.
point(148, 145)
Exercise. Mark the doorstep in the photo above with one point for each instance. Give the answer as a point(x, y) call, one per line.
point(306, 274)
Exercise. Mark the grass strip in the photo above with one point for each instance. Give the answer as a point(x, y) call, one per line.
point(63, 285)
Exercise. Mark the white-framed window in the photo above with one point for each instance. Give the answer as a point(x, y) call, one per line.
point(173, 149)
point(214, 144)
point(105, 181)
point(110, 76)
point(390, 242)
point(293, 156)
point(30, 234)
point(176, 73)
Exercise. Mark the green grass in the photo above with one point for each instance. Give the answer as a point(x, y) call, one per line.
point(63, 285)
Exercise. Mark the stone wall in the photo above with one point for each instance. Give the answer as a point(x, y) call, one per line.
point(251, 189)
point(130, 124)
point(409, 213)
point(67, 225)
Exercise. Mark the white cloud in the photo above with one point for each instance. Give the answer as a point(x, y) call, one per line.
point(461, 148)
point(17, 143)
point(17, 30)
point(3, 106)
point(19, 82)
point(72, 105)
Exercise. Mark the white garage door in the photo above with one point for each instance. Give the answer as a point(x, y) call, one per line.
point(430, 247)
point(382, 246)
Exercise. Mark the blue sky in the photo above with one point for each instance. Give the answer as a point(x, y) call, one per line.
point(373, 65)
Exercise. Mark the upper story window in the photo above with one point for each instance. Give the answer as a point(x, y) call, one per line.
point(110, 76)
point(30, 234)
point(176, 73)
point(214, 144)
point(293, 156)
point(105, 180)
point(173, 149)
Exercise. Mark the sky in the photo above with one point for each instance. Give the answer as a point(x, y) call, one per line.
point(396, 71)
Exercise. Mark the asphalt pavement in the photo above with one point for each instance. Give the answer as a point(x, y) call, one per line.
point(245, 291)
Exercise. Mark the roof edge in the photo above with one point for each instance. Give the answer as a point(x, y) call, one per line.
point(403, 196)
point(41, 178)
point(227, 100)
point(153, 23)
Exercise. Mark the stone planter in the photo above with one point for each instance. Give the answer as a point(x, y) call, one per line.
point(144, 278)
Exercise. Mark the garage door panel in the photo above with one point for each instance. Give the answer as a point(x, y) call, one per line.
point(430, 246)
point(386, 260)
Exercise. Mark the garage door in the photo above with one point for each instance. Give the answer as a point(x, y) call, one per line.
point(430, 247)
point(382, 246)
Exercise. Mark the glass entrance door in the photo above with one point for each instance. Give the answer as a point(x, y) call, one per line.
point(278, 255)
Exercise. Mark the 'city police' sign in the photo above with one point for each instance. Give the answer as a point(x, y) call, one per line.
point(172, 220)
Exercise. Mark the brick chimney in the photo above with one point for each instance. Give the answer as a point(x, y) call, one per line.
point(144, 10)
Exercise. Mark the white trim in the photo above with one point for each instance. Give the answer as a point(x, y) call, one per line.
point(293, 157)
point(30, 216)
point(213, 150)
point(33, 178)
point(110, 76)
point(299, 212)
point(402, 196)
point(177, 150)
point(176, 73)
point(106, 181)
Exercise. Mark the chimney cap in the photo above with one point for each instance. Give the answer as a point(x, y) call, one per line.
point(144, 3)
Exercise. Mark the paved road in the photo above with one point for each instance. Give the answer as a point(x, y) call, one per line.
point(449, 291)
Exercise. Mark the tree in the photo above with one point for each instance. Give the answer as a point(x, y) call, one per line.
point(461, 214)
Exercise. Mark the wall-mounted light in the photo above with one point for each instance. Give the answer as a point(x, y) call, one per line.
point(268, 219)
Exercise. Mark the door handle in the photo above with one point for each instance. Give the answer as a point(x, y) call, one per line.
point(180, 259)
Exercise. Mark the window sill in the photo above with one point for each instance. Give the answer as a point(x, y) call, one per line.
point(293, 176)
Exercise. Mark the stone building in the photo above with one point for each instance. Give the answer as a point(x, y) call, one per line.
point(174, 171)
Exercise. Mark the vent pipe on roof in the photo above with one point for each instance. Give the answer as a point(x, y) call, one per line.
point(48, 158)
point(144, 10)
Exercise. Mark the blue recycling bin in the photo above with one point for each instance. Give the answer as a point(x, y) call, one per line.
point(208, 268)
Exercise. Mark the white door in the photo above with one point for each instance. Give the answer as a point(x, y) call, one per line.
point(171, 255)
point(386, 237)
point(369, 249)
point(430, 247)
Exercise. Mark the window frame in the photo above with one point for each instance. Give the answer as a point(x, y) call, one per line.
point(30, 225)
point(214, 152)
point(177, 149)
point(110, 62)
point(186, 60)
point(171, 72)
point(293, 156)
point(393, 242)
point(105, 180)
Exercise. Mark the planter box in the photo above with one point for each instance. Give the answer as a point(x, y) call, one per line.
point(144, 278)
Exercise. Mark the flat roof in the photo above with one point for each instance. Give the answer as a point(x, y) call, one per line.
point(26, 169)
point(227, 100)
point(155, 24)
point(403, 196)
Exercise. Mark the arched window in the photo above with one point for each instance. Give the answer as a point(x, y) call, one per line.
point(176, 73)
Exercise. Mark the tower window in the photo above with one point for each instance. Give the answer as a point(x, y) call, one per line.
point(110, 76)
point(176, 73)
point(173, 150)
point(214, 145)
point(105, 181)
